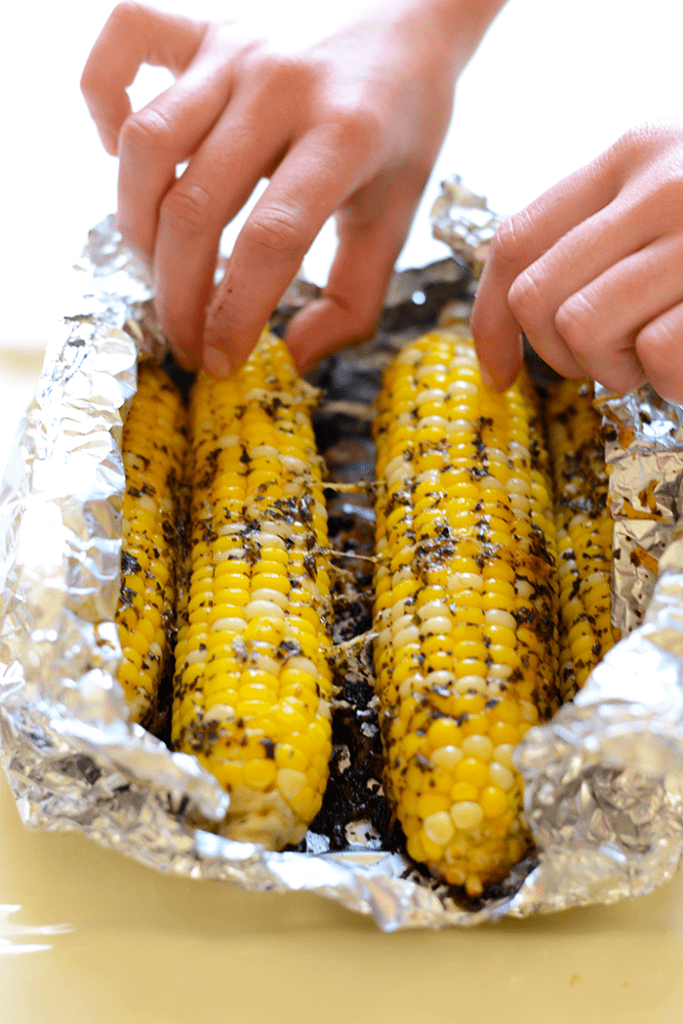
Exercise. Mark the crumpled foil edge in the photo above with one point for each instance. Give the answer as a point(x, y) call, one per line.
point(603, 779)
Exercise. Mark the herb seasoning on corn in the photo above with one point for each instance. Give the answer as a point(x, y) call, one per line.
point(465, 605)
point(252, 659)
point(154, 447)
point(584, 532)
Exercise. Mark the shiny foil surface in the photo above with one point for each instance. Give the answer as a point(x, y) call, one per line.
point(462, 220)
point(604, 779)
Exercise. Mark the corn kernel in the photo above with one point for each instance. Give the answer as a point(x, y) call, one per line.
point(449, 650)
point(493, 801)
point(472, 770)
point(466, 814)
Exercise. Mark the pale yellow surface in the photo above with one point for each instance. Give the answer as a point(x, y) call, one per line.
point(144, 948)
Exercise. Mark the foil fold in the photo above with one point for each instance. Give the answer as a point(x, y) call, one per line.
point(603, 779)
point(643, 451)
point(462, 220)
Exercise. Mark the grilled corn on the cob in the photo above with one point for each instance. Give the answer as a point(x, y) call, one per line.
point(584, 531)
point(154, 448)
point(465, 605)
point(252, 673)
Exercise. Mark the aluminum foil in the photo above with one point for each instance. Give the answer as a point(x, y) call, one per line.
point(643, 450)
point(603, 780)
point(462, 220)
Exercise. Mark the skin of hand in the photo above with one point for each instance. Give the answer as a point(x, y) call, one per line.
point(348, 124)
point(592, 272)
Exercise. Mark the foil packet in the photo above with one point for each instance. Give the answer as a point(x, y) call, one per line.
point(603, 779)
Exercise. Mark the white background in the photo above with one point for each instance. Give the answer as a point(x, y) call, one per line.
point(553, 84)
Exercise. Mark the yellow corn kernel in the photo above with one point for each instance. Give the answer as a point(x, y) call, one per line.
point(154, 447)
point(584, 529)
point(456, 667)
point(261, 630)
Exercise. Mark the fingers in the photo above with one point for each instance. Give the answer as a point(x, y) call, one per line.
point(601, 323)
point(156, 139)
point(353, 299)
point(569, 266)
point(222, 174)
point(313, 180)
point(133, 35)
point(519, 243)
point(322, 122)
point(593, 272)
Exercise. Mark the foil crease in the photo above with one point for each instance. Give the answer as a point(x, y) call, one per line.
point(462, 220)
point(644, 454)
point(603, 780)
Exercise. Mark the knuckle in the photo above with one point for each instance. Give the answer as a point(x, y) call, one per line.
point(127, 15)
point(634, 139)
point(656, 347)
point(275, 229)
point(637, 144)
point(667, 194)
point(648, 136)
point(526, 301)
point(187, 209)
point(356, 127)
point(651, 161)
point(576, 323)
point(145, 132)
point(509, 242)
point(125, 19)
point(277, 73)
point(127, 9)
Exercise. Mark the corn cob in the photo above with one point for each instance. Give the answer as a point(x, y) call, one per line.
point(465, 605)
point(584, 532)
point(154, 444)
point(252, 674)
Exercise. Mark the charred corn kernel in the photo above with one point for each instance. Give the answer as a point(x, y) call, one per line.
point(259, 594)
point(584, 531)
point(154, 446)
point(469, 495)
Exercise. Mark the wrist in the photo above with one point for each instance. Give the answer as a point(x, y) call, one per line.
point(460, 24)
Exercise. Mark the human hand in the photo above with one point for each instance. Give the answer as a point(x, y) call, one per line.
point(592, 272)
point(350, 123)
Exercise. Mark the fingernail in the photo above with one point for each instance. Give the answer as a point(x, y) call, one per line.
point(216, 362)
point(486, 378)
